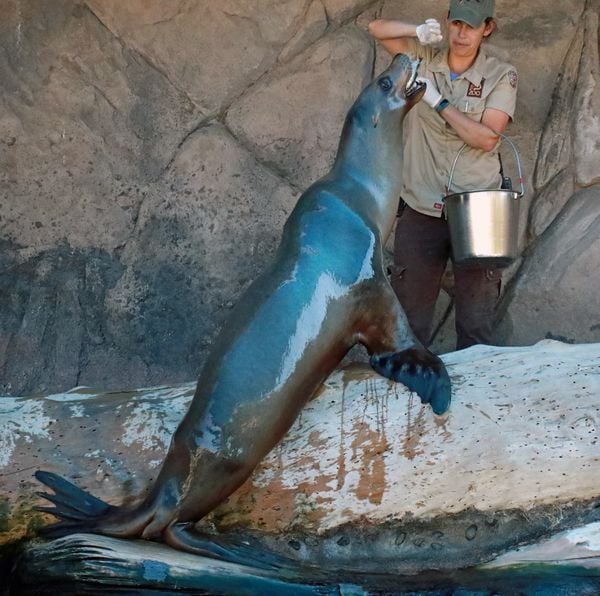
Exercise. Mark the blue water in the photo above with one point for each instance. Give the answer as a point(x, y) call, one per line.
point(531, 580)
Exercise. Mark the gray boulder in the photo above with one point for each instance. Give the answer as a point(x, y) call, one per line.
point(555, 294)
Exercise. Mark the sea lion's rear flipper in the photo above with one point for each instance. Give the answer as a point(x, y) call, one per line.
point(226, 548)
point(421, 371)
point(78, 510)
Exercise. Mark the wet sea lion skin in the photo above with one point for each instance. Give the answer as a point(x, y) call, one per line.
point(325, 291)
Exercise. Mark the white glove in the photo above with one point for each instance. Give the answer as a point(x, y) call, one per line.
point(432, 96)
point(429, 32)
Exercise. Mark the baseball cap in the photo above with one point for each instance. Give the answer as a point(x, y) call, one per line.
point(472, 12)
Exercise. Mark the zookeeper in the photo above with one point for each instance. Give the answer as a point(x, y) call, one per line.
point(470, 99)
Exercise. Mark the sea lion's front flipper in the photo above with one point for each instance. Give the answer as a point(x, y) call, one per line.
point(397, 354)
point(421, 371)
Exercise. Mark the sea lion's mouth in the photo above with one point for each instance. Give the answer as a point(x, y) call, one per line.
point(412, 85)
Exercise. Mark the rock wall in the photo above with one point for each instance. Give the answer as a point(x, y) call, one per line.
point(150, 152)
point(555, 293)
point(366, 475)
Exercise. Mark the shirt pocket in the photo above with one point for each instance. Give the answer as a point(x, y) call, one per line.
point(473, 107)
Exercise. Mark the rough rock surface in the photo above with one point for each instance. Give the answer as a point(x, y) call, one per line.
point(555, 294)
point(117, 263)
point(294, 120)
point(550, 201)
point(587, 106)
point(364, 464)
point(85, 124)
point(177, 36)
point(179, 263)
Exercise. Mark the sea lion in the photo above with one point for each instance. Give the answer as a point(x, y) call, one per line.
point(325, 291)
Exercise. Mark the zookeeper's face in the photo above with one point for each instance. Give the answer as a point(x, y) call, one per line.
point(464, 40)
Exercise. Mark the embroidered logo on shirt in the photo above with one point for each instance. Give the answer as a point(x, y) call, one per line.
point(475, 90)
point(438, 206)
point(513, 78)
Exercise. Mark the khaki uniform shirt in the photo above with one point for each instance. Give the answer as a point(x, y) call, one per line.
point(431, 145)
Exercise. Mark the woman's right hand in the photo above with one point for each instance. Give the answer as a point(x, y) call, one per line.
point(432, 96)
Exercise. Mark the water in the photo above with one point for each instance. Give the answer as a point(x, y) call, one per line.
point(527, 580)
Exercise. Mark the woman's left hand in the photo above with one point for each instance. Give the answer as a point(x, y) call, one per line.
point(429, 32)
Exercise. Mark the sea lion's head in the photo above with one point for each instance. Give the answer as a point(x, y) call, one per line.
point(399, 82)
point(392, 94)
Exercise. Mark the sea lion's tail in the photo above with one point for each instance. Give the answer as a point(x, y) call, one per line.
point(77, 509)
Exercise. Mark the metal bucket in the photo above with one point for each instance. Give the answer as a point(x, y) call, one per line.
point(484, 224)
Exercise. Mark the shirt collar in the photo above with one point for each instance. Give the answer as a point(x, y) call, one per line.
point(474, 74)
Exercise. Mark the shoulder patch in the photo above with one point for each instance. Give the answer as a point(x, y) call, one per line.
point(513, 78)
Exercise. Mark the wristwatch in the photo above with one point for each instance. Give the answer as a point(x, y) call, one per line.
point(442, 105)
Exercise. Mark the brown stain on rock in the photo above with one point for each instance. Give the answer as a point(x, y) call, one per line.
point(415, 428)
point(356, 371)
point(441, 423)
point(341, 462)
point(370, 445)
point(275, 507)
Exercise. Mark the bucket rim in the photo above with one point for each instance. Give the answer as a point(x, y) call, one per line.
point(465, 193)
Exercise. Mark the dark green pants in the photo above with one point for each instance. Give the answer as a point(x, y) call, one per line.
point(421, 252)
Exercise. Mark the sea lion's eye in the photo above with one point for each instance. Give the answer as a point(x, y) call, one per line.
point(385, 83)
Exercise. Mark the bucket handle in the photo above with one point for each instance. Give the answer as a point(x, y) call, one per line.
point(504, 138)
